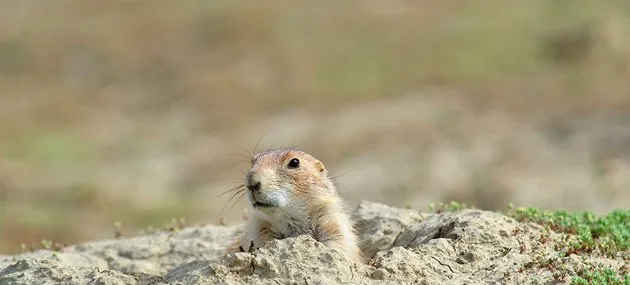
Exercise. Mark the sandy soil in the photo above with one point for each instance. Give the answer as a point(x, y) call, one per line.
point(401, 246)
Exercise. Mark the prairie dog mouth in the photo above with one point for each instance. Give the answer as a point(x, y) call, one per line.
point(271, 199)
point(257, 204)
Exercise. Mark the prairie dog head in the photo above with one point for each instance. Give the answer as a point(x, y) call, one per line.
point(282, 183)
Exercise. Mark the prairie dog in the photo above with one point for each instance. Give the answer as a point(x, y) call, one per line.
point(290, 194)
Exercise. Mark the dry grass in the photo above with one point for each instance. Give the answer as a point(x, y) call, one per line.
point(131, 110)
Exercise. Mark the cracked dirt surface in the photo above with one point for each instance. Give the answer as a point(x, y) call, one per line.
point(401, 246)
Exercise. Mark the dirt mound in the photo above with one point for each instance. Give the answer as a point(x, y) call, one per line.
point(401, 246)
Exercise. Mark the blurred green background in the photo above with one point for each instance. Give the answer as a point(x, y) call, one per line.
point(136, 111)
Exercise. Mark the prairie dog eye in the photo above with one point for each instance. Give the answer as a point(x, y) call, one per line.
point(294, 163)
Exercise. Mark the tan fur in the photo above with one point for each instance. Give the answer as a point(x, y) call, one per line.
point(296, 201)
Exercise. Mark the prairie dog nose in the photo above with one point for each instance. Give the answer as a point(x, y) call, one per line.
point(253, 181)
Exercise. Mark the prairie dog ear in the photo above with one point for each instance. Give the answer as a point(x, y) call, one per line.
point(320, 166)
